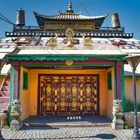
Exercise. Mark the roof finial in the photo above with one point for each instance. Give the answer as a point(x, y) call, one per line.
point(70, 7)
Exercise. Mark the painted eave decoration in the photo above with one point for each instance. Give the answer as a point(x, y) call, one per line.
point(62, 57)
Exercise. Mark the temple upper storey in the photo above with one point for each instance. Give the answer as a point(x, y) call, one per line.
point(50, 25)
point(69, 19)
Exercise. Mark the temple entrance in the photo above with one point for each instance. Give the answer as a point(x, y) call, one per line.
point(68, 94)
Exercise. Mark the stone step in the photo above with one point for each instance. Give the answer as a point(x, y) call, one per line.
point(71, 124)
point(68, 121)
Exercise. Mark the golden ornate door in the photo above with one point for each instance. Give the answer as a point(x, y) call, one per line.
point(68, 94)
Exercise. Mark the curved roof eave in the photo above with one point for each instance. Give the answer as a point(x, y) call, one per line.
point(70, 17)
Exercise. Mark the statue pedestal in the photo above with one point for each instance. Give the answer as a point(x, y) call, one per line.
point(15, 125)
point(117, 122)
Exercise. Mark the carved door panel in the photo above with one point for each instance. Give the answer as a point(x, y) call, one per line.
point(47, 96)
point(88, 99)
point(90, 96)
point(62, 98)
point(73, 94)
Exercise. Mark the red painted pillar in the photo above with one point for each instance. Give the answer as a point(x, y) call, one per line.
point(16, 81)
point(118, 80)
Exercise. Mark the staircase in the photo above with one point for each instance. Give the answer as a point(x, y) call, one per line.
point(5, 93)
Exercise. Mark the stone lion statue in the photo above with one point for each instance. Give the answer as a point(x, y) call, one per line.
point(16, 108)
point(16, 123)
point(117, 122)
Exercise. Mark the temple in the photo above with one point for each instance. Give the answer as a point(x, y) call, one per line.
point(68, 64)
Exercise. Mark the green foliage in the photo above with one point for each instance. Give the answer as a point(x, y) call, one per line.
point(129, 105)
point(126, 125)
point(138, 107)
point(6, 126)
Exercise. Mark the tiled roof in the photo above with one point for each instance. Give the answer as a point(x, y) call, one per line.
point(70, 16)
point(123, 45)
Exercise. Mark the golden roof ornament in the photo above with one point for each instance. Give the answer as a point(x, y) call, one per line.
point(52, 41)
point(70, 8)
point(87, 41)
point(69, 37)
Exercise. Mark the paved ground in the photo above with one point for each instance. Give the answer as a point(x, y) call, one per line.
point(67, 133)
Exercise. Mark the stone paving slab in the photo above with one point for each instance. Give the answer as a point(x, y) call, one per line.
point(67, 133)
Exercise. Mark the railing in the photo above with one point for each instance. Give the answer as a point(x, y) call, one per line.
point(77, 34)
point(107, 32)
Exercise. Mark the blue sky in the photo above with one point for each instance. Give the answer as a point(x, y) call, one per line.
point(129, 11)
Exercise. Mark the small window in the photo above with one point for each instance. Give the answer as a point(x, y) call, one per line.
point(25, 80)
point(109, 81)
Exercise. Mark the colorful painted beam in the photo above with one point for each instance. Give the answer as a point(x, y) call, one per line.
point(92, 62)
point(62, 57)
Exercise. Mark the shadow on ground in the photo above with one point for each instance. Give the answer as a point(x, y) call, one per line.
point(99, 136)
point(105, 136)
point(47, 127)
